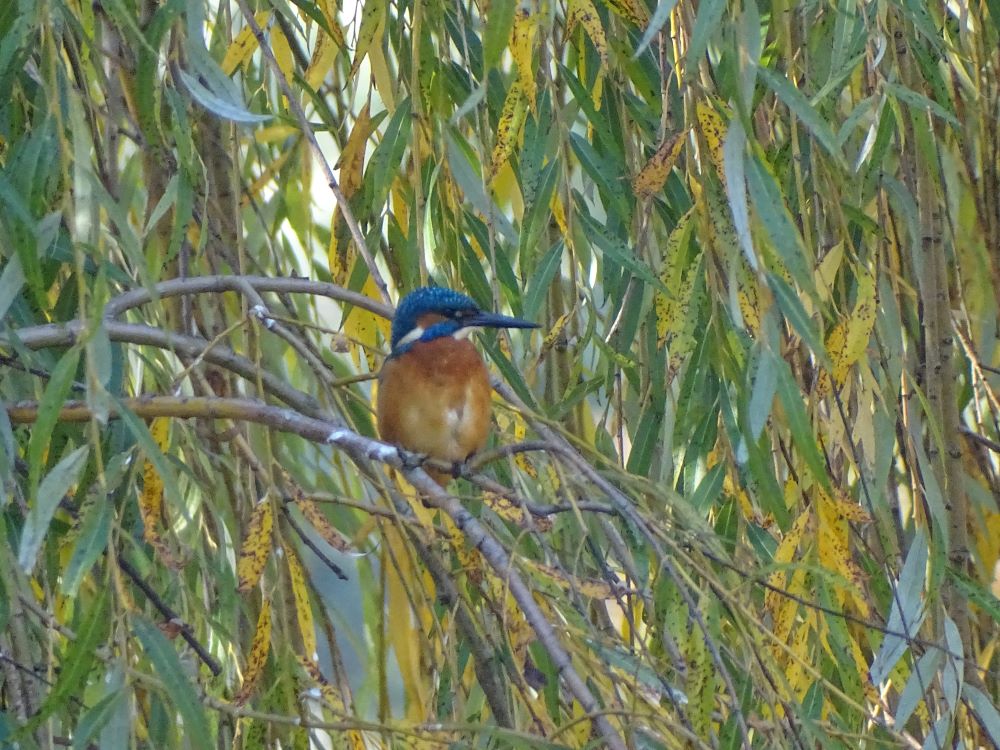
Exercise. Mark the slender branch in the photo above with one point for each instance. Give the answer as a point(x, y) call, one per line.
point(216, 284)
point(324, 558)
point(67, 334)
point(993, 445)
point(165, 609)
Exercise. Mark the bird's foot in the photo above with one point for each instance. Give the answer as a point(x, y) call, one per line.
point(412, 459)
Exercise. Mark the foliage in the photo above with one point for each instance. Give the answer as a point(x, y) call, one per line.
point(757, 501)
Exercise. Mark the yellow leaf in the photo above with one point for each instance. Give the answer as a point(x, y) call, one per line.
point(151, 500)
point(590, 587)
point(634, 11)
point(699, 685)
point(323, 59)
point(505, 508)
point(244, 45)
point(405, 636)
point(665, 304)
point(515, 109)
point(352, 157)
point(799, 679)
point(782, 556)
point(323, 526)
point(748, 294)
point(257, 657)
point(275, 133)
point(522, 38)
point(364, 328)
point(584, 13)
point(325, 688)
point(713, 130)
point(833, 542)
point(283, 53)
point(521, 459)
point(341, 252)
point(370, 32)
point(653, 175)
point(559, 214)
point(303, 608)
point(555, 335)
point(468, 557)
point(849, 338)
point(826, 273)
point(256, 546)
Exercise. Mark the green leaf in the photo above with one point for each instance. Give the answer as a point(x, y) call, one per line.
point(95, 530)
point(385, 162)
point(8, 457)
point(96, 718)
point(773, 212)
point(11, 282)
point(472, 186)
point(986, 711)
point(791, 307)
point(790, 398)
point(50, 493)
point(656, 22)
point(765, 384)
point(709, 488)
point(218, 104)
point(645, 441)
point(607, 175)
point(79, 659)
point(920, 102)
point(906, 610)
point(617, 251)
point(497, 33)
point(538, 213)
point(538, 286)
point(48, 412)
point(736, 189)
point(177, 688)
point(706, 23)
point(796, 101)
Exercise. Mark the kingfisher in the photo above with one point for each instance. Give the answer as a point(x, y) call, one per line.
point(434, 390)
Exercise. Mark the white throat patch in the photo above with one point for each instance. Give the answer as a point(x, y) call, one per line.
point(412, 336)
point(418, 331)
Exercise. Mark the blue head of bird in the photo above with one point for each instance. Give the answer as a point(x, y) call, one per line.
point(433, 312)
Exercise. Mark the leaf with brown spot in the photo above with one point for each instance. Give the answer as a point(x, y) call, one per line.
point(256, 546)
point(257, 656)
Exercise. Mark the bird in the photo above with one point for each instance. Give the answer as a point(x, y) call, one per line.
point(434, 395)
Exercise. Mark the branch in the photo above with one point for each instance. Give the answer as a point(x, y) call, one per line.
point(67, 334)
point(173, 617)
point(216, 284)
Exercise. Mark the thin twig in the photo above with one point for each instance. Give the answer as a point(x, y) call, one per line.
point(324, 558)
point(165, 609)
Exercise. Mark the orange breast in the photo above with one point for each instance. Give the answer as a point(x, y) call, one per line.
point(435, 399)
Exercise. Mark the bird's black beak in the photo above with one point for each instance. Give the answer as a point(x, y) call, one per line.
point(483, 319)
